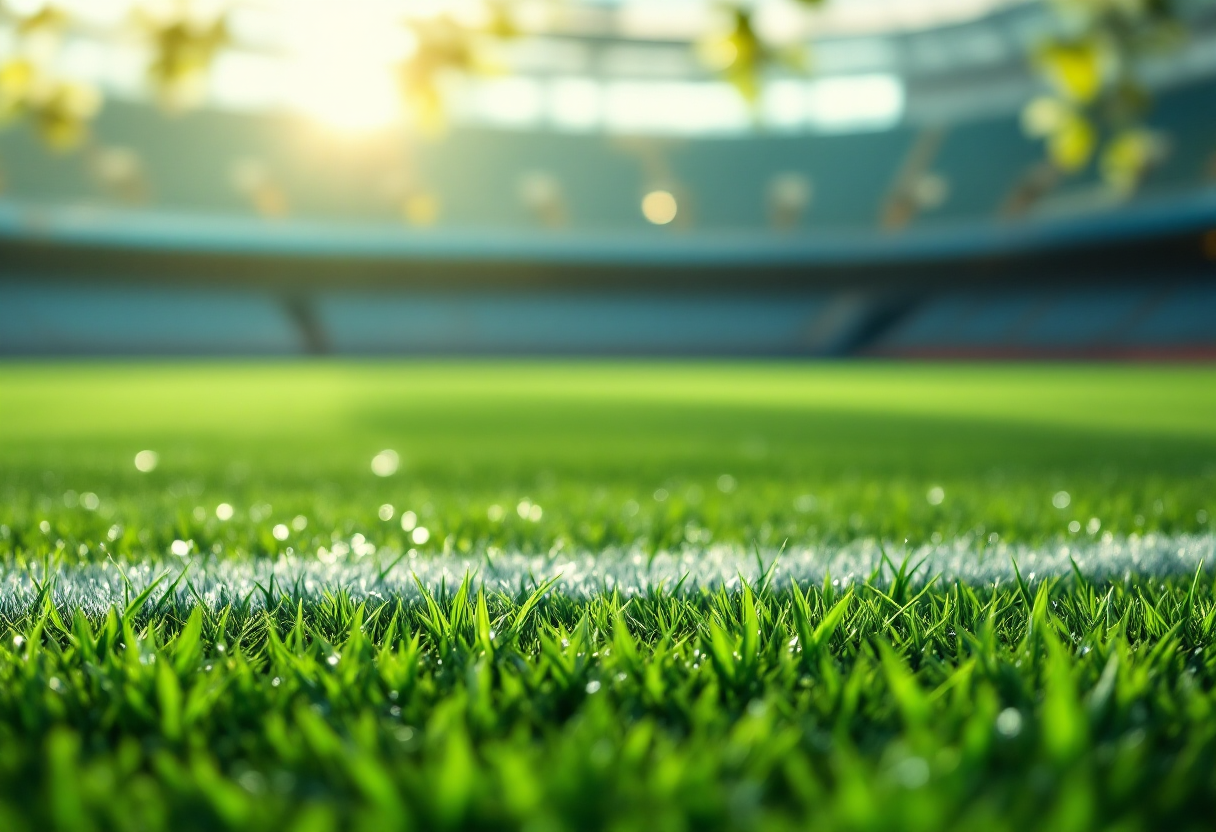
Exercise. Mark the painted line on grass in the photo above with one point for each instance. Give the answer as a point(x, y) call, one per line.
point(219, 581)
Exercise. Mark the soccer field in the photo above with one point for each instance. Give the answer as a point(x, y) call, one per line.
point(548, 596)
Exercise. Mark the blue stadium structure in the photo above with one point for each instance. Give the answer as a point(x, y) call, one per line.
point(937, 230)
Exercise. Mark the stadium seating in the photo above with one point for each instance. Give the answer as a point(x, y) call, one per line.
point(838, 272)
point(1097, 322)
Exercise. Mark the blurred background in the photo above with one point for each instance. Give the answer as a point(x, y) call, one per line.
point(915, 178)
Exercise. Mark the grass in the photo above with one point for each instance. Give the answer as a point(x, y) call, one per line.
point(898, 701)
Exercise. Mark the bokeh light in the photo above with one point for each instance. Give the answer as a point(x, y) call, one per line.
point(659, 207)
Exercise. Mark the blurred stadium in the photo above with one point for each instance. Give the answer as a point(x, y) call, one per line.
point(924, 178)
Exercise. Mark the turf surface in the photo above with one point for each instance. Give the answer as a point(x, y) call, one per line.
point(892, 702)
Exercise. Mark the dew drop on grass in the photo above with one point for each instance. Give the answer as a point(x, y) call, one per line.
point(385, 513)
point(385, 463)
point(89, 501)
point(1093, 525)
point(409, 521)
point(180, 548)
point(280, 532)
point(726, 483)
point(252, 782)
point(1061, 499)
point(495, 513)
point(420, 535)
point(593, 686)
point(1009, 722)
point(1074, 526)
point(299, 522)
point(224, 511)
point(146, 461)
point(44, 527)
point(936, 495)
point(912, 773)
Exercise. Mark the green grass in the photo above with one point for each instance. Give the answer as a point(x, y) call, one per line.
point(894, 703)
point(1135, 447)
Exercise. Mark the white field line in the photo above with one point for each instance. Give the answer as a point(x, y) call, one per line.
point(97, 587)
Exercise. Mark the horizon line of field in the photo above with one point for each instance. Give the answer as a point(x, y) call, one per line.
point(98, 587)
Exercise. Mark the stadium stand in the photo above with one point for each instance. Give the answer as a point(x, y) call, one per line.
point(242, 231)
point(74, 319)
point(1098, 322)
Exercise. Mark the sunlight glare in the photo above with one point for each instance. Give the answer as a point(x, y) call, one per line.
point(342, 74)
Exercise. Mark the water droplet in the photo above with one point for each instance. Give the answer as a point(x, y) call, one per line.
point(385, 463)
point(805, 503)
point(1009, 722)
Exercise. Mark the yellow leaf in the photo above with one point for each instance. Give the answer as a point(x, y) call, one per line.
point(1074, 68)
point(1128, 156)
point(1045, 115)
point(1072, 146)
